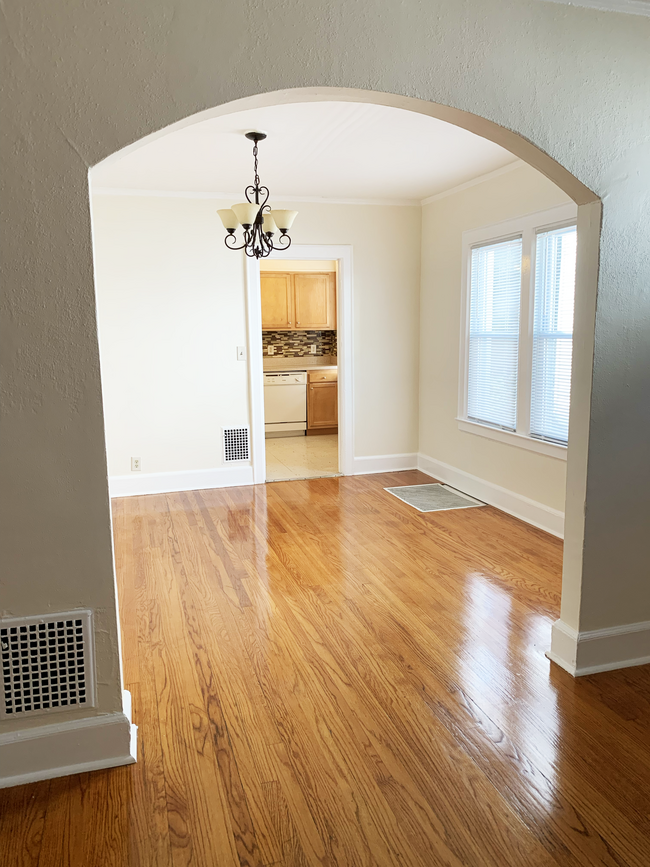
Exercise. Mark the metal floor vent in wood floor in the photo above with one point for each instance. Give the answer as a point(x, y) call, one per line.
point(433, 498)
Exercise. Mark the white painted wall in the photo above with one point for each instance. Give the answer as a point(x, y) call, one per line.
point(515, 193)
point(171, 311)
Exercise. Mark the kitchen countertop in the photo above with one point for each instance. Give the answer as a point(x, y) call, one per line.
point(304, 363)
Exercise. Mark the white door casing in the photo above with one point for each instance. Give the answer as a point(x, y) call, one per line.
point(342, 254)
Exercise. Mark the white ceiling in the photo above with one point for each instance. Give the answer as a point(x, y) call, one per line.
point(324, 150)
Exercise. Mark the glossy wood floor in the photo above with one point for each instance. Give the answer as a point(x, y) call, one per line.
point(324, 676)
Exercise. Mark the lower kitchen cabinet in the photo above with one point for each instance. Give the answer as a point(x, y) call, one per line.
point(322, 405)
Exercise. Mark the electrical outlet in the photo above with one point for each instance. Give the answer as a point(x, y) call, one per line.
point(241, 353)
point(135, 465)
point(270, 350)
point(312, 349)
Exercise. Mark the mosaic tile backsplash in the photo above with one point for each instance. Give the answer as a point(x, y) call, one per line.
point(295, 344)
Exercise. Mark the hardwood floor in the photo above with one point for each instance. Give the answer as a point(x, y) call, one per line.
point(322, 675)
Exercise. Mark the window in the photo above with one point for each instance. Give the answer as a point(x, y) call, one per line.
point(494, 333)
point(555, 267)
point(518, 330)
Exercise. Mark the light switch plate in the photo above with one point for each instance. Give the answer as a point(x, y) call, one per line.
point(241, 353)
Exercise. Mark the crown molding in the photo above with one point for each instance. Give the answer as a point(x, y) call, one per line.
point(473, 182)
point(629, 7)
point(229, 197)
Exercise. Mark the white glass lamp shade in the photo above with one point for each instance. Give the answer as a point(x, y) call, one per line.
point(228, 218)
point(269, 224)
point(284, 219)
point(246, 213)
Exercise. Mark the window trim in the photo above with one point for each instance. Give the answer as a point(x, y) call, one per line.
point(527, 228)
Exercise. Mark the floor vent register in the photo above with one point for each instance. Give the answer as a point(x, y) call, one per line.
point(236, 446)
point(47, 663)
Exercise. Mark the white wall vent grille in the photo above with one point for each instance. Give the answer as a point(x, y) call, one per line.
point(236, 444)
point(47, 663)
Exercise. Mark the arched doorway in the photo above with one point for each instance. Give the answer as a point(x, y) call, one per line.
point(588, 230)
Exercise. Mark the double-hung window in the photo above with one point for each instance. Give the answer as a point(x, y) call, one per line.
point(517, 339)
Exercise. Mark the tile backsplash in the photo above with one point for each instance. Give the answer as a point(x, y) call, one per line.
point(296, 344)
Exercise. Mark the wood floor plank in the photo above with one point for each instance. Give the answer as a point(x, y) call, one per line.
point(325, 677)
point(22, 823)
point(197, 808)
point(254, 830)
point(57, 845)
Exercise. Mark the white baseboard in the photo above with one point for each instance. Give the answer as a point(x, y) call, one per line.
point(70, 747)
point(530, 511)
point(137, 484)
point(383, 464)
point(600, 649)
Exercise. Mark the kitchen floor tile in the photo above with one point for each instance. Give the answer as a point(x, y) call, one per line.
point(301, 457)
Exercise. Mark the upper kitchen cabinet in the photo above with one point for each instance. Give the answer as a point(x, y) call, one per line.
point(298, 301)
point(277, 301)
point(314, 301)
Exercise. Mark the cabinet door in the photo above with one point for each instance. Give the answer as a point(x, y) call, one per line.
point(322, 405)
point(315, 301)
point(277, 301)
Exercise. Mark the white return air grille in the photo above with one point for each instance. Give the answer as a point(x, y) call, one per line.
point(47, 663)
point(235, 444)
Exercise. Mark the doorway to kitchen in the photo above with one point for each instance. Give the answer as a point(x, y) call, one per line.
point(299, 320)
point(299, 329)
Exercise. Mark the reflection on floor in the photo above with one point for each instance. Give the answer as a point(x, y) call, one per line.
point(301, 457)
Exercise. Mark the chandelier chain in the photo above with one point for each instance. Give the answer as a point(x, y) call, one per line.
point(255, 152)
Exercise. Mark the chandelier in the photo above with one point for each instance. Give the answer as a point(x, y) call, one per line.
point(258, 221)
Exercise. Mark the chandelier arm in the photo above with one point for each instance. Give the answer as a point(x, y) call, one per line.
point(250, 247)
point(264, 248)
point(262, 191)
point(283, 246)
point(233, 238)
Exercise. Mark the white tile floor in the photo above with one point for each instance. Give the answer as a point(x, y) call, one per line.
point(301, 457)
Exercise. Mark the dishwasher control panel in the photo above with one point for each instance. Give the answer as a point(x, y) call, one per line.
point(297, 378)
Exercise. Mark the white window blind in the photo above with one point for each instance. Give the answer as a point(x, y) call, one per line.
point(495, 291)
point(555, 265)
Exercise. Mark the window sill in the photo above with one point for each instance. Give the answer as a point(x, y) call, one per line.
point(552, 450)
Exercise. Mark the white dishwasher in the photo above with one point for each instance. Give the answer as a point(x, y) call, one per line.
point(285, 403)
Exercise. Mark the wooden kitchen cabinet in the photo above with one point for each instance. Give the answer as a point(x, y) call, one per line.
point(277, 301)
point(322, 404)
point(304, 301)
point(314, 301)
